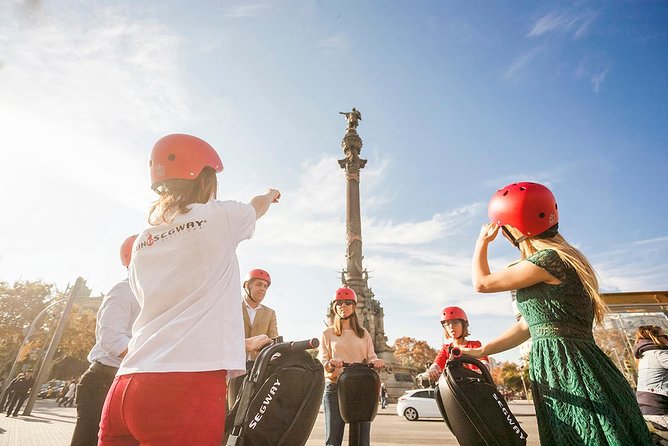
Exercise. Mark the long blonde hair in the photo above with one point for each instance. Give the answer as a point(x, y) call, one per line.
point(177, 195)
point(354, 323)
point(572, 257)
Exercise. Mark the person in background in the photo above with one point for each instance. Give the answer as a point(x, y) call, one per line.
point(170, 388)
point(8, 393)
point(113, 330)
point(68, 399)
point(19, 392)
point(258, 320)
point(581, 398)
point(455, 325)
point(344, 341)
point(651, 353)
point(383, 396)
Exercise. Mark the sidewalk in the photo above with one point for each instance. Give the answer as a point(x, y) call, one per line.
point(49, 425)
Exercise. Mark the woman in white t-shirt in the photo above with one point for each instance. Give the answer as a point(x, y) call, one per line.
point(170, 388)
point(344, 341)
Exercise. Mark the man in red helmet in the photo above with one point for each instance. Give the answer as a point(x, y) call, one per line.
point(258, 318)
point(113, 331)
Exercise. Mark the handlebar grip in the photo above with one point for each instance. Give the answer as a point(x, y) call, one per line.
point(304, 345)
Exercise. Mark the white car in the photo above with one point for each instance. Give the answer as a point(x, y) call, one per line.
point(418, 403)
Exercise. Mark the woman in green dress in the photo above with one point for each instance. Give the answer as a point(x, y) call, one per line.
point(580, 396)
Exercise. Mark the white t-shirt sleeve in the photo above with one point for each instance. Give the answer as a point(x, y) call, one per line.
point(242, 219)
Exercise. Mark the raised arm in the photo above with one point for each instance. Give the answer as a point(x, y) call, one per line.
point(510, 338)
point(520, 275)
point(261, 203)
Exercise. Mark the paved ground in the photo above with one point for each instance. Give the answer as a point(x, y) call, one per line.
point(50, 425)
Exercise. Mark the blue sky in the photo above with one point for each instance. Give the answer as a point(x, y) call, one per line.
point(457, 100)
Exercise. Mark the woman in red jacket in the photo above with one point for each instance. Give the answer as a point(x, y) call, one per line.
point(456, 327)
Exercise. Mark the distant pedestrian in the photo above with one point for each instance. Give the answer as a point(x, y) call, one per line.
point(383, 396)
point(20, 388)
point(113, 331)
point(171, 386)
point(8, 392)
point(68, 400)
point(581, 398)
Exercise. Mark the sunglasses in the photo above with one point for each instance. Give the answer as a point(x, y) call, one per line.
point(451, 322)
point(339, 303)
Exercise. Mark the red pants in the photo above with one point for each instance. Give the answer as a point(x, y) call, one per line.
point(162, 409)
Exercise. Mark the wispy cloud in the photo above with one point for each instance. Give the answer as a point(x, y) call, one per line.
point(338, 41)
point(563, 22)
point(633, 266)
point(598, 79)
point(245, 10)
point(522, 63)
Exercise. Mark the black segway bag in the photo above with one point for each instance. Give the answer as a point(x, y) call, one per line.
point(473, 409)
point(279, 399)
point(359, 390)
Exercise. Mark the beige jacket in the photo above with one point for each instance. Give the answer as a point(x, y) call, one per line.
point(264, 323)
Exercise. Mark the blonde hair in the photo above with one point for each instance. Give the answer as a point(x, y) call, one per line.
point(651, 333)
point(573, 258)
point(177, 195)
point(354, 323)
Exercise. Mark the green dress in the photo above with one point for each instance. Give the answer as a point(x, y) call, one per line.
point(580, 396)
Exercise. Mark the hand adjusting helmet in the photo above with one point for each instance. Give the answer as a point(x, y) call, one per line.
point(183, 157)
point(528, 207)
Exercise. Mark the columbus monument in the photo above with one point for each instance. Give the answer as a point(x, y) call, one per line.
point(397, 378)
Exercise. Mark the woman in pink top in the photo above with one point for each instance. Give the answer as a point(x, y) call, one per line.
point(344, 341)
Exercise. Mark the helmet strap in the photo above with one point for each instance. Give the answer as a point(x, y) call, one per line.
point(248, 293)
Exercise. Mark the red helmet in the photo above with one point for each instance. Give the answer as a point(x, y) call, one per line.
point(453, 313)
point(126, 250)
point(182, 157)
point(529, 207)
point(345, 293)
point(258, 274)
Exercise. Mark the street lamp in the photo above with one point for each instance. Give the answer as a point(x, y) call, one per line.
point(26, 339)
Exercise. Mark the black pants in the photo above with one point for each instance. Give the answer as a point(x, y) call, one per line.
point(16, 401)
point(91, 393)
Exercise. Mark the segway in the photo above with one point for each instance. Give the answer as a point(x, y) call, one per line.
point(471, 406)
point(359, 389)
point(279, 398)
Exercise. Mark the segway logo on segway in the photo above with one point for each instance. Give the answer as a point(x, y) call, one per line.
point(509, 418)
point(265, 404)
point(176, 230)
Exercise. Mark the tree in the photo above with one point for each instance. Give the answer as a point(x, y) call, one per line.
point(413, 353)
point(20, 303)
point(508, 375)
point(78, 338)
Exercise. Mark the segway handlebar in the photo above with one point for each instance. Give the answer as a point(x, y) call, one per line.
point(359, 364)
point(304, 345)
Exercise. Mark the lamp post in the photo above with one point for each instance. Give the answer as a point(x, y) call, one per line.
point(44, 370)
point(26, 339)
